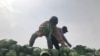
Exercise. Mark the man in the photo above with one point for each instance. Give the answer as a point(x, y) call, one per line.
point(62, 30)
point(46, 29)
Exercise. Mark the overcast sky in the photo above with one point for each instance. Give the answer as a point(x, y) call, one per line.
point(19, 19)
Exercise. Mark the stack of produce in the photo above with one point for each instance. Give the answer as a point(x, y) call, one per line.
point(11, 48)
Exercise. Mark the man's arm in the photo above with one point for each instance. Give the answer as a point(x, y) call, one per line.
point(62, 33)
point(58, 36)
point(33, 38)
point(66, 41)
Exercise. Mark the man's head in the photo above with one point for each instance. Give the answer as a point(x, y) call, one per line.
point(53, 20)
point(64, 29)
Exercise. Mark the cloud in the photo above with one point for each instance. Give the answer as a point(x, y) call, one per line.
point(7, 4)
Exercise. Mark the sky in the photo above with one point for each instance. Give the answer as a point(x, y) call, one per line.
point(19, 19)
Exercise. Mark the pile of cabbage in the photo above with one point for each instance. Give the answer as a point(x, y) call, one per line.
point(11, 48)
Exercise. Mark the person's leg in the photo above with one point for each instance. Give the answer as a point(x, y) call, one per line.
point(49, 43)
point(55, 42)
